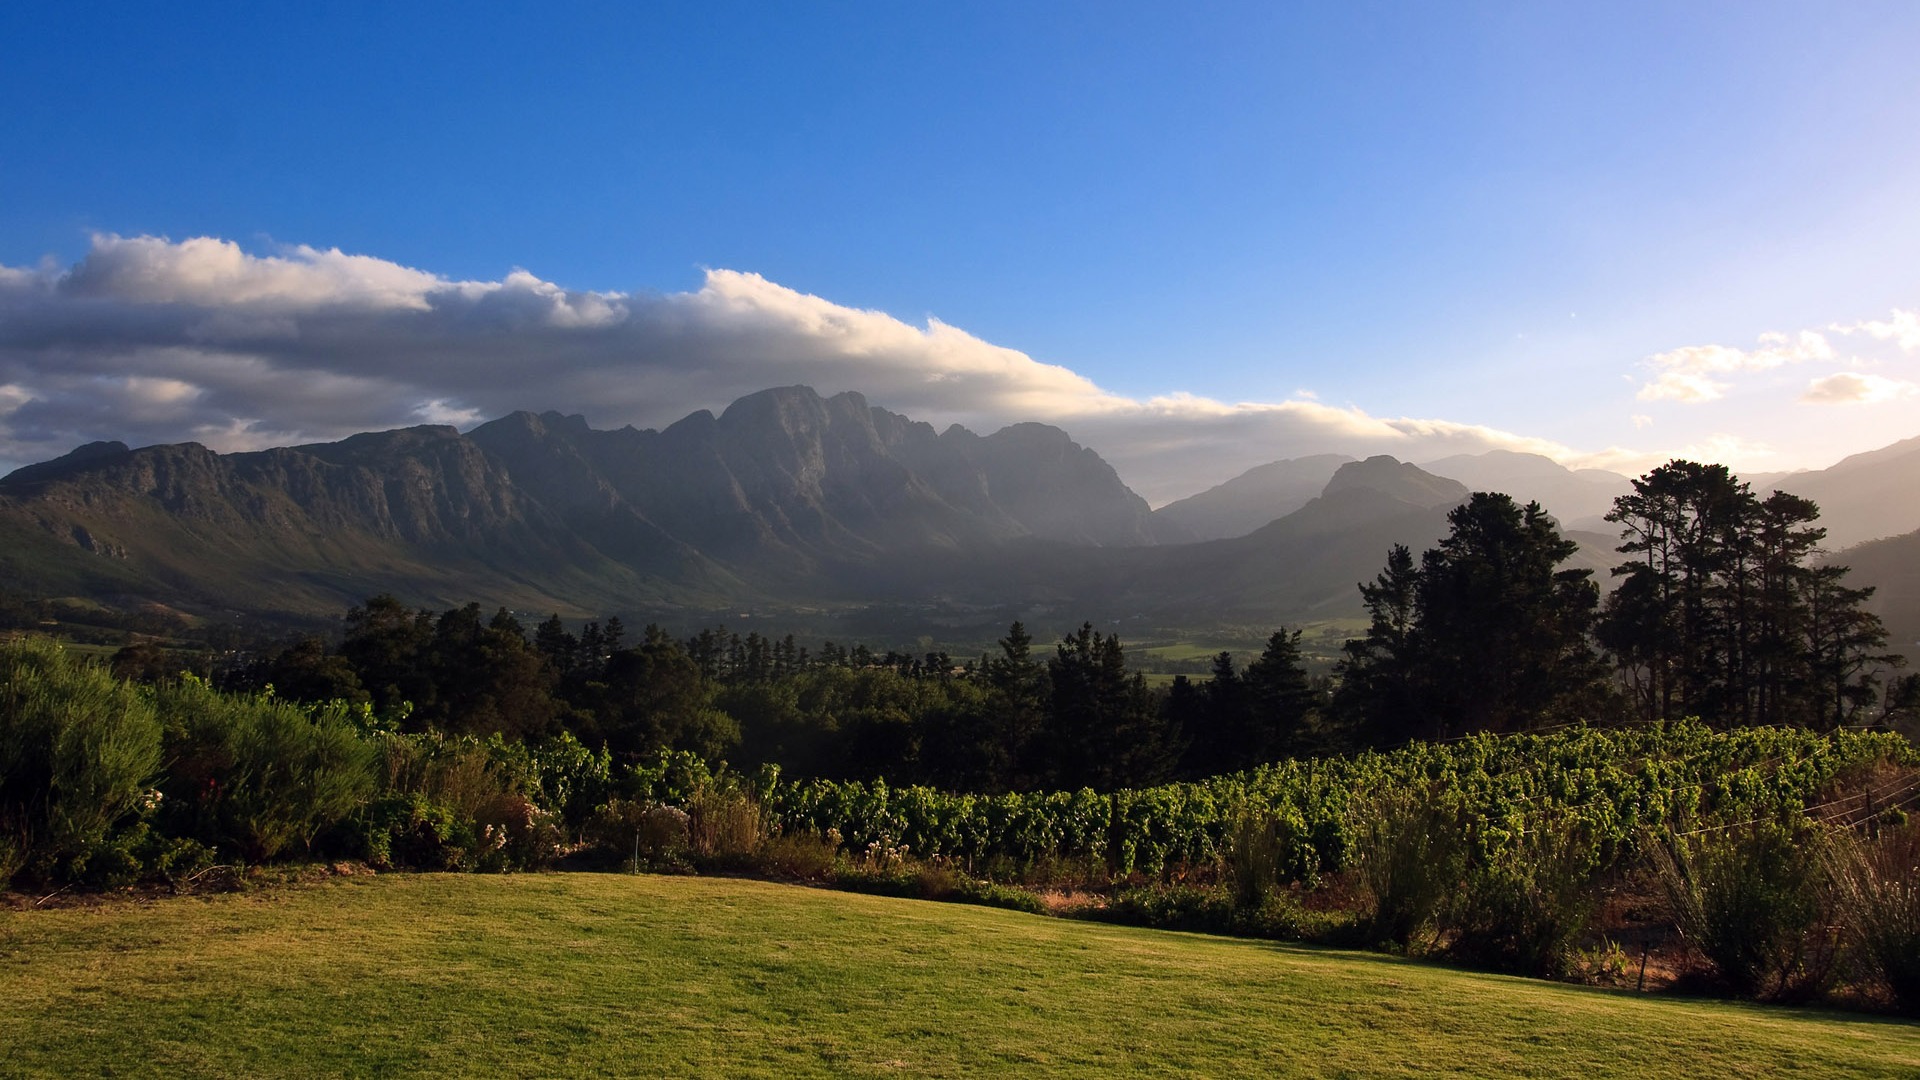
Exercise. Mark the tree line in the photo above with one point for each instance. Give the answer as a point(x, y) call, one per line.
point(1721, 612)
point(1019, 718)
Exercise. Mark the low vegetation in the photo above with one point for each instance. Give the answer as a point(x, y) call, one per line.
point(1494, 851)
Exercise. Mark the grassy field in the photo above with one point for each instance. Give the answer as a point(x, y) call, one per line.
point(601, 975)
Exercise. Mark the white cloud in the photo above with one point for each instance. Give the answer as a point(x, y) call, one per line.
point(438, 411)
point(216, 273)
point(1903, 328)
point(1699, 373)
point(150, 340)
point(1734, 451)
point(1855, 388)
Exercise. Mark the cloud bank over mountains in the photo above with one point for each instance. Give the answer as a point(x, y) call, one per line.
point(149, 340)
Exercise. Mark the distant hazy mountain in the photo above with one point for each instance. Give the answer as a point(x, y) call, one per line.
point(1892, 567)
point(1863, 497)
point(1570, 495)
point(1307, 563)
point(1267, 492)
point(1253, 498)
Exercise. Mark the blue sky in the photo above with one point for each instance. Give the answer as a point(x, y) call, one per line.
point(1502, 222)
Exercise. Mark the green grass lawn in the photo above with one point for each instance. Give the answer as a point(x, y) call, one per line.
point(601, 975)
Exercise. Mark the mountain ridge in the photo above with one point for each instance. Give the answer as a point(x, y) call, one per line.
point(785, 499)
point(784, 491)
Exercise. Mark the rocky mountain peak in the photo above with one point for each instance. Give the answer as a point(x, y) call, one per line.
point(1398, 479)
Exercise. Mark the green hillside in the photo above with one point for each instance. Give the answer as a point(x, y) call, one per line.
point(586, 975)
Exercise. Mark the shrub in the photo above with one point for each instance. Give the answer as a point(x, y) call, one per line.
point(1214, 910)
point(1525, 908)
point(644, 836)
point(992, 894)
point(1283, 917)
point(803, 856)
point(1253, 857)
point(515, 834)
point(1605, 964)
point(78, 749)
point(1753, 899)
point(1408, 853)
point(137, 852)
point(460, 804)
point(1878, 885)
point(933, 881)
point(409, 829)
point(724, 825)
point(460, 774)
point(1196, 908)
point(259, 774)
point(572, 780)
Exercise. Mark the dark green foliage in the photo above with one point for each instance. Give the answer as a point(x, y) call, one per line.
point(308, 671)
point(1486, 635)
point(148, 662)
point(1281, 700)
point(467, 804)
point(386, 645)
point(1718, 613)
point(1017, 685)
point(1504, 631)
point(651, 697)
point(1214, 910)
point(258, 775)
point(1523, 909)
point(487, 677)
point(1754, 900)
point(1411, 855)
point(1380, 674)
point(1236, 720)
point(136, 852)
point(78, 750)
point(1105, 729)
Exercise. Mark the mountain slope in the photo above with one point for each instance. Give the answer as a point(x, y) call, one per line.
point(785, 495)
point(1570, 495)
point(1255, 497)
point(1892, 567)
point(1863, 497)
point(786, 499)
point(421, 510)
point(1305, 563)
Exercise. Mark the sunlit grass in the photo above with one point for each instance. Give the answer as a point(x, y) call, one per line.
point(620, 975)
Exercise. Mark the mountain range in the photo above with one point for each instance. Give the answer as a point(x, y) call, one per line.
point(785, 501)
